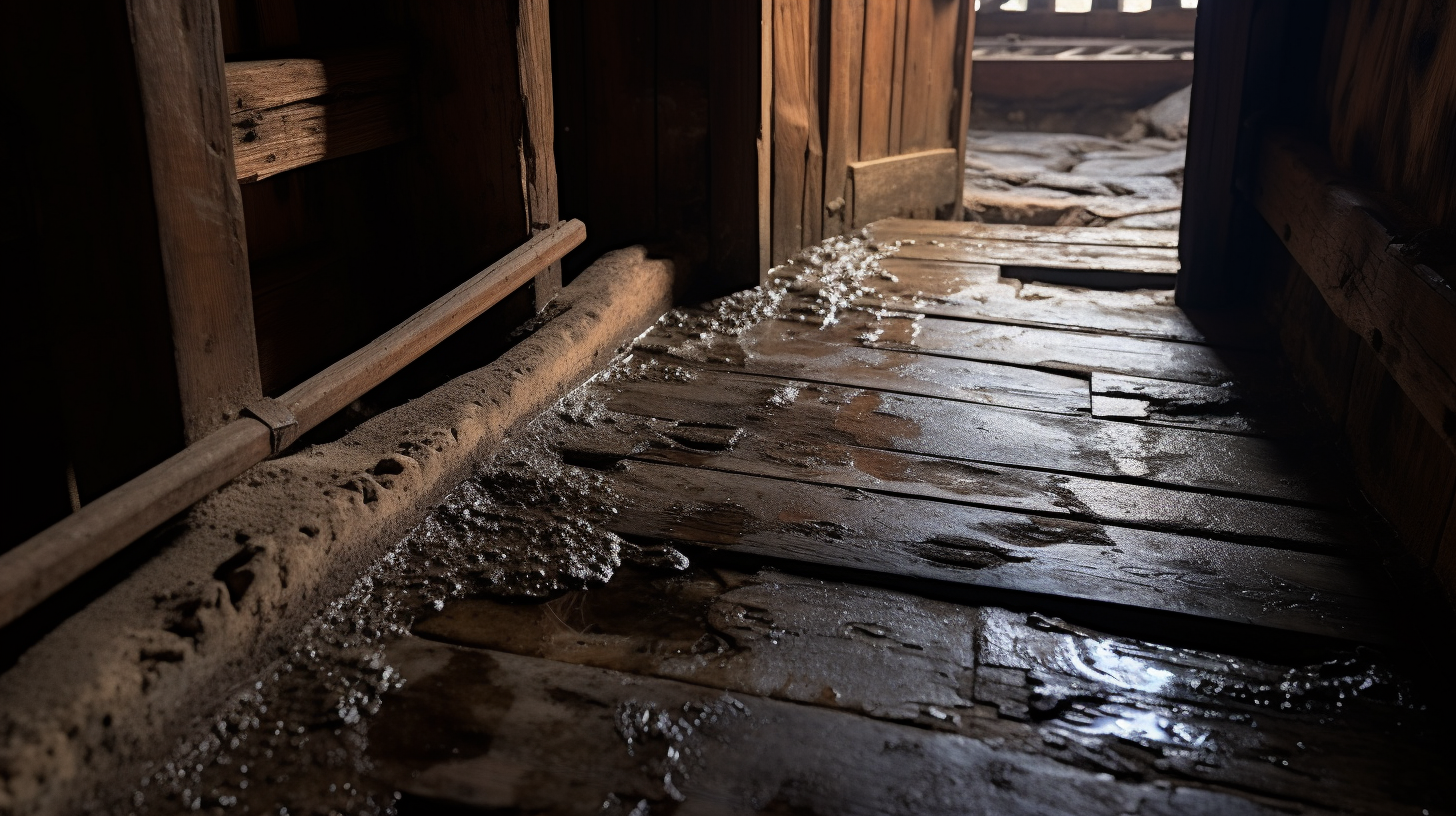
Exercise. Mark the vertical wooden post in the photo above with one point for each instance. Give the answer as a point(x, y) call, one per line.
point(765, 137)
point(961, 118)
point(846, 50)
point(179, 64)
point(791, 125)
point(537, 147)
point(1214, 120)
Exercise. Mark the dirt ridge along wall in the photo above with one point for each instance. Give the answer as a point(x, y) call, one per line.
point(248, 565)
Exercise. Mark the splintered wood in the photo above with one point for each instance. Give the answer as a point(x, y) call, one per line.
point(854, 542)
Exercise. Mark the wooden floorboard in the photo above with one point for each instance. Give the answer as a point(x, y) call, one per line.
point(777, 451)
point(996, 549)
point(817, 413)
point(789, 349)
point(899, 229)
point(978, 292)
point(533, 735)
point(1030, 683)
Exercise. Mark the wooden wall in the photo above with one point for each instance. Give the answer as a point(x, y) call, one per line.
point(657, 124)
point(869, 111)
point(1321, 180)
point(378, 153)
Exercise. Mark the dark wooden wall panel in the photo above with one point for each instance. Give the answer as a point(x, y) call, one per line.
point(1334, 123)
point(657, 122)
point(95, 292)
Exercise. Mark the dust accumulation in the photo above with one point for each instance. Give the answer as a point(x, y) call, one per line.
point(526, 527)
point(529, 527)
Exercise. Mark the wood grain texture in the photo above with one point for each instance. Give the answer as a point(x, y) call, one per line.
point(792, 126)
point(895, 229)
point(1403, 309)
point(983, 433)
point(1401, 464)
point(1395, 93)
point(976, 547)
point(913, 185)
point(877, 69)
point(846, 54)
point(775, 450)
point(897, 77)
point(538, 145)
point(270, 141)
point(199, 211)
point(1150, 261)
point(739, 750)
point(961, 117)
point(978, 292)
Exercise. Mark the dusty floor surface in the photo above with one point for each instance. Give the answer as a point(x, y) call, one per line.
point(880, 536)
point(1072, 179)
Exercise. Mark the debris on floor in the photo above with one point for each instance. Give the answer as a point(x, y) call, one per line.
point(1071, 179)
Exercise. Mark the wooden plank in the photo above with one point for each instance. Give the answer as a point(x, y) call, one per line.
point(1056, 350)
point(275, 140)
point(199, 211)
point(264, 84)
point(887, 655)
point(766, 257)
point(900, 658)
point(1397, 111)
point(1089, 257)
point(700, 750)
point(1176, 457)
point(1400, 462)
point(875, 83)
point(1214, 120)
point(786, 348)
point(897, 77)
point(1222, 407)
point(901, 229)
point(995, 549)
point(538, 145)
point(735, 124)
point(777, 452)
point(813, 218)
point(965, 37)
point(978, 292)
point(916, 185)
point(791, 125)
point(1404, 309)
point(918, 107)
point(846, 49)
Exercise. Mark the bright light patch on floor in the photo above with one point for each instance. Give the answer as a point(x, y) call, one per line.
point(1136, 5)
point(1014, 5)
point(1074, 6)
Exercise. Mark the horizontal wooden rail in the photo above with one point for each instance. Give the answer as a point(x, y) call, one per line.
point(68, 549)
point(1369, 271)
point(288, 113)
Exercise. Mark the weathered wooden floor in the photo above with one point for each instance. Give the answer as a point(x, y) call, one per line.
point(974, 546)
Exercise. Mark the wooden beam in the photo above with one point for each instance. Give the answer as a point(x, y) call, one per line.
point(295, 112)
point(538, 157)
point(791, 125)
point(1214, 121)
point(47, 562)
point(913, 185)
point(178, 49)
point(1368, 270)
